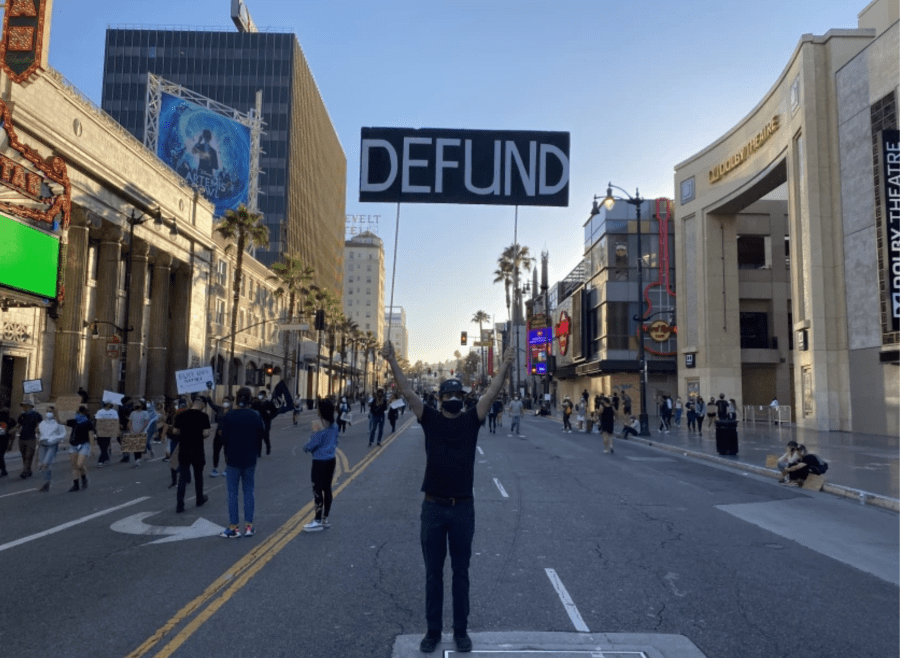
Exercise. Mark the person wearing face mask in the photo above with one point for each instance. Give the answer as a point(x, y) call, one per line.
point(108, 413)
point(322, 446)
point(515, 415)
point(267, 410)
point(220, 412)
point(448, 509)
point(82, 433)
point(50, 435)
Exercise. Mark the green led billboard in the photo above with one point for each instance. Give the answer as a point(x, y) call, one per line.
point(29, 259)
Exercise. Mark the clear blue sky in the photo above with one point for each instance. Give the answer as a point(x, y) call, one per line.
point(639, 85)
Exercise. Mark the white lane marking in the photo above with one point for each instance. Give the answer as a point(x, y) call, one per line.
point(134, 525)
point(567, 602)
point(65, 526)
point(480, 450)
point(16, 493)
point(500, 487)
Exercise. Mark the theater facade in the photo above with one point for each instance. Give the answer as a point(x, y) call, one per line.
point(821, 142)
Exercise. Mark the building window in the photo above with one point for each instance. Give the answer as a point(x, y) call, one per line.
point(222, 272)
point(751, 252)
point(754, 331)
point(220, 311)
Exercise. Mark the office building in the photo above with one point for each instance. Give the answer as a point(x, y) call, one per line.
point(395, 325)
point(302, 187)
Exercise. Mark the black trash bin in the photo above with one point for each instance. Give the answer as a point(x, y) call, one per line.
point(726, 437)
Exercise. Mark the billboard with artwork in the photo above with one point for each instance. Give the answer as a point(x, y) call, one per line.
point(207, 149)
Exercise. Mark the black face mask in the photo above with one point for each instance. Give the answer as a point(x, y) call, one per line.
point(452, 406)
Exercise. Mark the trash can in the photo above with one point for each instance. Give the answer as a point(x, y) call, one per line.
point(726, 437)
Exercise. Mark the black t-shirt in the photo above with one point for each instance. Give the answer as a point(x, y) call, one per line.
point(377, 408)
point(81, 432)
point(722, 408)
point(449, 452)
point(191, 422)
point(28, 422)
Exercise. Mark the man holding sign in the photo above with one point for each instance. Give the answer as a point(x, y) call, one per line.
point(191, 427)
point(448, 510)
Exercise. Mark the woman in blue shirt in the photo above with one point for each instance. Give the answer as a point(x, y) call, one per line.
point(322, 445)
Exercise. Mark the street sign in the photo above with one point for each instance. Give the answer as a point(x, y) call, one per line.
point(482, 343)
point(293, 327)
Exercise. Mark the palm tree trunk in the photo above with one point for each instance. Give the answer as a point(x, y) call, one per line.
point(238, 272)
point(287, 346)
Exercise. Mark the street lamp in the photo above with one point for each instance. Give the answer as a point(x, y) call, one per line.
point(608, 202)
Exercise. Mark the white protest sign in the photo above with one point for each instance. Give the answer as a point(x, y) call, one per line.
point(396, 404)
point(32, 386)
point(115, 398)
point(194, 380)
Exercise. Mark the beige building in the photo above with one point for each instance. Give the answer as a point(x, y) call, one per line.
point(818, 134)
point(364, 283)
point(395, 325)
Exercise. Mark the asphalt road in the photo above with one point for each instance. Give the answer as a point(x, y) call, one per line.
point(640, 541)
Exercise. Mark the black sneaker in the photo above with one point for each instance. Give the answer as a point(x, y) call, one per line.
point(202, 501)
point(429, 643)
point(463, 642)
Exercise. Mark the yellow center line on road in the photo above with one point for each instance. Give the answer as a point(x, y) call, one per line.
point(244, 569)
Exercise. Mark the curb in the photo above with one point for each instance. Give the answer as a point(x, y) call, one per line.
point(864, 497)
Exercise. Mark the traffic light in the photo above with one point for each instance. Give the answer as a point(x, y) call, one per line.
point(464, 338)
point(269, 369)
point(320, 321)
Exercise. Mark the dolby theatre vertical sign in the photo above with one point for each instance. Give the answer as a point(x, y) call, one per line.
point(890, 158)
point(23, 47)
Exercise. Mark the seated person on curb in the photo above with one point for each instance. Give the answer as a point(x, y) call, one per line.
point(809, 464)
point(789, 458)
point(633, 426)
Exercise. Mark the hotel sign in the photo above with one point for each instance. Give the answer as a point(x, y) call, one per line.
point(890, 157)
point(720, 170)
point(22, 46)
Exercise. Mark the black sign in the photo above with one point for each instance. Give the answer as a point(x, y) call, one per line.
point(22, 42)
point(690, 360)
point(890, 157)
point(433, 165)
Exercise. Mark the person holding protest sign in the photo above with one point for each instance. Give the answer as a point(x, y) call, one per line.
point(107, 413)
point(448, 509)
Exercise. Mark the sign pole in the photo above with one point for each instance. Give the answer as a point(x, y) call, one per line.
point(393, 274)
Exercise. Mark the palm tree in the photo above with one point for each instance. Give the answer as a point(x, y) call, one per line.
point(323, 300)
point(347, 328)
point(503, 274)
point(512, 261)
point(480, 317)
point(370, 346)
point(243, 229)
point(294, 277)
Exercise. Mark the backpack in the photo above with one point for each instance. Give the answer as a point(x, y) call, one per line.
point(819, 467)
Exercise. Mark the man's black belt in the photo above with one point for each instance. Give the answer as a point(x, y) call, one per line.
point(448, 501)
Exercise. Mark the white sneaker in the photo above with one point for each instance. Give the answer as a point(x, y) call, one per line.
point(214, 473)
point(314, 526)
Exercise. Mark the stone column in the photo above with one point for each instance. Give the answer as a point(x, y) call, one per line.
point(180, 314)
point(70, 330)
point(104, 372)
point(158, 337)
point(134, 366)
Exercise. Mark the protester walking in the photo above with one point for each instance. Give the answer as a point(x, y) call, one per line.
point(28, 422)
point(700, 410)
point(242, 432)
point(607, 423)
point(691, 415)
point(50, 434)
point(191, 427)
point(80, 439)
point(138, 421)
point(377, 410)
point(322, 445)
point(103, 442)
point(7, 423)
point(343, 412)
point(267, 411)
point(392, 415)
point(496, 407)
point(448, 509)
point(567, 414)
point(220, 412)
point(515, 416)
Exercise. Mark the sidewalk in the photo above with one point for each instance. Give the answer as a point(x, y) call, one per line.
point(859, 465)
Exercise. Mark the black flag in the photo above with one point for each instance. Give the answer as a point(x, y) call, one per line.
point(281, 398)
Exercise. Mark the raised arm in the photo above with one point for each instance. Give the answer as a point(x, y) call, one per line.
point(414, 401)
point(484, 402)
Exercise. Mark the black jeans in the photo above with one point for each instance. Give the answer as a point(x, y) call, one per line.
point(217, 449)
point(4, 442)
point(443, 526)
point(195, 462)
point(492, 422)
point(322, 476)
point(103, 443)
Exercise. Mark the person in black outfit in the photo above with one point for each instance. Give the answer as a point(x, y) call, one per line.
point(377, 409)
point(28, 422)
point(80, 440)
point(448, 510)
point(191, 427)
point(7, 423)
point(496, 408)
point(267, 410)
point(722, 407)
point(220, 412)
point(392, 418)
